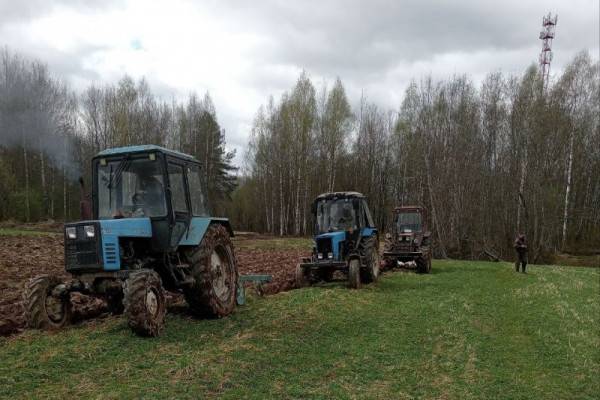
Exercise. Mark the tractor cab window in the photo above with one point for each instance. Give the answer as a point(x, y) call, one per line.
point(408, 222)
point(336, 215)
point(177, 182)
point(130, 188)
point(368, 217)
point(196, 192)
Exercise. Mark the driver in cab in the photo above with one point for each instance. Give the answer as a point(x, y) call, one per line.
point(148, 199)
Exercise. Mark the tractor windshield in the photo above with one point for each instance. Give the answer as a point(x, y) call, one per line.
point(408, 222)
point(130, 188)
point(335, 215)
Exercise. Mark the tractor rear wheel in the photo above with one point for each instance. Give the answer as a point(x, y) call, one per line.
point(145, 303)
point(354, 274)
point(42, 309)
point(215, 272)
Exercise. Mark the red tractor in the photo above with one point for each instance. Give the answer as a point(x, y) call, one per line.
point(407, 245)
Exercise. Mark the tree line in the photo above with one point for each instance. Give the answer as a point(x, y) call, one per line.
point(486, 161)
point(49, 133)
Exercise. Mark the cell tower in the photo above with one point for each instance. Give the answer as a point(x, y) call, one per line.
point(547, 34)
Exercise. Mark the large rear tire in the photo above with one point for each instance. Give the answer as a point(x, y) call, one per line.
point(214, 268)
point(42, 310)
point(145, 303)
point(354, 274)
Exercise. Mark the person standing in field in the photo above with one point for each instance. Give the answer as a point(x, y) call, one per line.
point(521, 248)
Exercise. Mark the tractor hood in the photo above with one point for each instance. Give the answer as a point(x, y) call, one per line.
point(330, 242)
point(95, 244)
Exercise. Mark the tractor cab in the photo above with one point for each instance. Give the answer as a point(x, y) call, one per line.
point(149, 182)
point(409, 223)
point(342, 218)
point(146, 201)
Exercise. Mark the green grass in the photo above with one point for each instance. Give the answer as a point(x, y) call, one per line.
point(24, 232)
point(470, 330)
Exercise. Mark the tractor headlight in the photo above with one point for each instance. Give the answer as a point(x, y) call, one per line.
point(71, 232)
point(89, 231)
point(320, 256)
point(330, 255)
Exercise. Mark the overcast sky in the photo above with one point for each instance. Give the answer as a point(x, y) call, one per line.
point(244, 51)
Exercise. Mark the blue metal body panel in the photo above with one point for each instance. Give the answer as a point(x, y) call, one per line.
point(368, 232)
point(197, 229)
point(113, 229)
point(336, 239)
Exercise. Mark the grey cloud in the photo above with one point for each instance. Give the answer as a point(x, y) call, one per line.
point(15, 11)
point(375, 45)
point(363, 36)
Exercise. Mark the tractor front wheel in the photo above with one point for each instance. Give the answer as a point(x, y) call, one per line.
point(215, 272)
point(423, 265)
point(145, 303)
point(354, 274)
point(301, 277)
point(371, 273)
point(42, 309)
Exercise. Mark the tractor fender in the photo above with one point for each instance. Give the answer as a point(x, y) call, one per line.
point(199, 226)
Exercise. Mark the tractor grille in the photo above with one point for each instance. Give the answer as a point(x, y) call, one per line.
point(110, 252)
point(324, 247)
point(82, 253)
point(404, 243)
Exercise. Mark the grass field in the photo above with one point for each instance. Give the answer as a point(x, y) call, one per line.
point(470, 330)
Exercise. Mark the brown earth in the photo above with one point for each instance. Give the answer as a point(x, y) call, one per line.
point(24, 257)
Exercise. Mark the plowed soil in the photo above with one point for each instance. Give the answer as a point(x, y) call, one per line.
point(24, 257)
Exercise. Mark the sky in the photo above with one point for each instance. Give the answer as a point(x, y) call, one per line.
point(242, 52)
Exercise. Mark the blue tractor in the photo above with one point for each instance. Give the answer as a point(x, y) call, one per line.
point(346, 240)
point(149, 232)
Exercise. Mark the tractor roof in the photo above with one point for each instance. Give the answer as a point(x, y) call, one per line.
point(340, 195)
point(142, 149)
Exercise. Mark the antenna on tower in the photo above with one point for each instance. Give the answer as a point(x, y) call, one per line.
point(547, 34)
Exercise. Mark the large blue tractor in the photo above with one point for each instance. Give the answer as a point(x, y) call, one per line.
point(346, 240)
point(149, 231)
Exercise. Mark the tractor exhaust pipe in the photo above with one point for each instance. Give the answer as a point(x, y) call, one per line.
point(85, 205)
